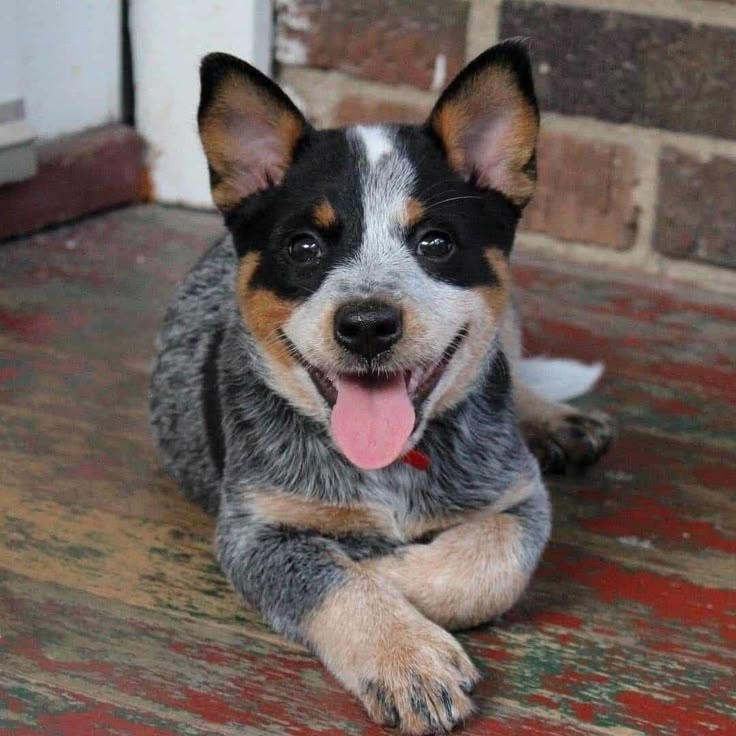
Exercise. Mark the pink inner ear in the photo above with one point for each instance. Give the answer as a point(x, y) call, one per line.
point(491, 149)
point(260, 155)
point(260, 165)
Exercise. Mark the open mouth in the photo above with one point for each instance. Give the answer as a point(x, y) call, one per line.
point(375, 413)
point(419, 381)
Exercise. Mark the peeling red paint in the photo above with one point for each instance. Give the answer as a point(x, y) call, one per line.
point(681, 650)
point(675, 408)
point(8, 373)
point(88, 471)
point(667, 597)
point(544, 700)
point(674, 711)
point(651, 519)
point(717, 475)
point(594, 645)
point(713, 377)
point(557, 618)
point(92, 721)
point(586, 711)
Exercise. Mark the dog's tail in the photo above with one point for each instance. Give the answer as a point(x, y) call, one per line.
point(558, 379)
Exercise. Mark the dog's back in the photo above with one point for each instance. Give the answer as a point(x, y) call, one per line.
point(184, 388)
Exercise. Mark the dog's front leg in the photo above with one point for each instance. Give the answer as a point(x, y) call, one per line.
point(478, 569)
point(407, 671)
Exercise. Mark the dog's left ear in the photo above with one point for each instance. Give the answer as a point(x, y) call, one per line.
point(488, 119)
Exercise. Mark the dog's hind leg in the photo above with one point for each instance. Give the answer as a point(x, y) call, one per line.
point(559, 435)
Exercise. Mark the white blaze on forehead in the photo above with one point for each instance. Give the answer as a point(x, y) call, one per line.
point(386, 182)
point(375, 140)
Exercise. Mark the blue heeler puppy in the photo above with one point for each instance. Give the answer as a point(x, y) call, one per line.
point(340, 379)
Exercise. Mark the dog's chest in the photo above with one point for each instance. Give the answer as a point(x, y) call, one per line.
point(409, 508)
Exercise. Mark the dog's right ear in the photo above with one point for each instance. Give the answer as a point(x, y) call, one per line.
point(248, 126)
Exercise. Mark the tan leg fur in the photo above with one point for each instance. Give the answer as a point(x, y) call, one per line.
point(468, 574)
point(405, 669)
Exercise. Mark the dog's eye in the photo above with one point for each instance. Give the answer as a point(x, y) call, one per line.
point(305, 250)
point(435, 245)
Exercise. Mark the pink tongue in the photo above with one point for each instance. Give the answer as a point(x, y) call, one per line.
point(372, 422)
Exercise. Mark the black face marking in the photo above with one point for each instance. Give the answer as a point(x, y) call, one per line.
point(327, 167)
point(475, 219)
point(268, 222)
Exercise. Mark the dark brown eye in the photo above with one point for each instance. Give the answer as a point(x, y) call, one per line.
point(305, 250)
point(435, 245)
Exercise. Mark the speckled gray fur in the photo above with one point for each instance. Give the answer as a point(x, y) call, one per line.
point(476, 450)
point(251, 384)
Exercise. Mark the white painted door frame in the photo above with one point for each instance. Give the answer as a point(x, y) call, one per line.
point(168, 39)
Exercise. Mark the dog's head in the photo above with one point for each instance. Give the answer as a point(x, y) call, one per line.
point(373, 266)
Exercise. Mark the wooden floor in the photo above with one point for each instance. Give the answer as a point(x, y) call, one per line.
point(115, 619)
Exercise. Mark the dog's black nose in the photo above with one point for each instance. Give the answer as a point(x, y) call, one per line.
point(367, 328)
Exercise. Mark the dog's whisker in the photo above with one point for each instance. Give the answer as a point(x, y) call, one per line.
point(452, 199)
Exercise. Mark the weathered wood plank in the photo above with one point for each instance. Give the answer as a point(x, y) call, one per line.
point(81, 451)
point(32, 708)
point(169, 566)
point(541, 675)
point(50, 381)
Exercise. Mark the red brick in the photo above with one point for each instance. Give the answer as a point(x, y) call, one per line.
point(696, 212)
point(358, 109)
point(77, 175)
point(627, 68)
point(393, 41)
point(584, 191)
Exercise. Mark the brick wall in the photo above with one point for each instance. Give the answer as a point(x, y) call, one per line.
point(637, 157)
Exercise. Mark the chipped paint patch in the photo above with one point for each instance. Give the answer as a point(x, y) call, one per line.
point(439, 73)
point(290, 51)
point(636, 542)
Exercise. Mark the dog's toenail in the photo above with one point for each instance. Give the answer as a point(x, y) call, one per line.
point(467, 686)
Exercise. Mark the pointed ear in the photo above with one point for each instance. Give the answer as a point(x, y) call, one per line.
point(488, 120)
point(248, 126)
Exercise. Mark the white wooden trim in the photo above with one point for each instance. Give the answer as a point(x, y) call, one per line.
point(168, 38)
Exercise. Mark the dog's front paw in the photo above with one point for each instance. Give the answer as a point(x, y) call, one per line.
point(421, 682)
point(572, 439)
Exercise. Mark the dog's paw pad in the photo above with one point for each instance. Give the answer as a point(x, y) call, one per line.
point(573, 440)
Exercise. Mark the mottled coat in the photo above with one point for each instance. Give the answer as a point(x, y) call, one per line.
point(366, 567)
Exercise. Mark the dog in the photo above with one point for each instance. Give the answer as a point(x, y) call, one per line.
point(339, 379)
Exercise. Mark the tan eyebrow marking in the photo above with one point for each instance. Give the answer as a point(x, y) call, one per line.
point(262, 311)
point(412, 213)
point(324, 215)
